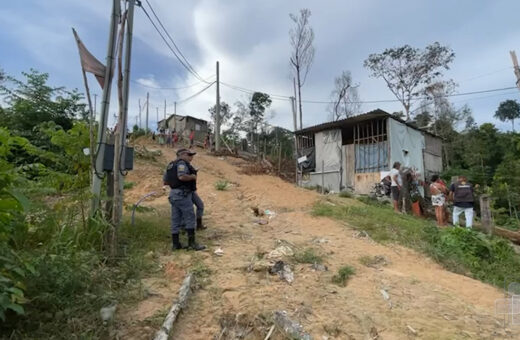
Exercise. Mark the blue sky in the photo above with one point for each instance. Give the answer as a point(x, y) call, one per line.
point(250, 39)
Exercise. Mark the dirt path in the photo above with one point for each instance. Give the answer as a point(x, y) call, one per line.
point(424, 298)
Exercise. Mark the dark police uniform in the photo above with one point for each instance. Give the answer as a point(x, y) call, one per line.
point(180, 197)
point(181, 200)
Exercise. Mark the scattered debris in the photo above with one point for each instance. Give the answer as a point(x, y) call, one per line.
point(270, 333)
point(320, 240)
point(262, 222)
point(107, 313)
point(218, 252)
point(376, 262)
point(283, 270)
point(319, 267)
point(184, 293)
point(280, 252)
point(141, 151)
point(363, 235)
point(386, 296)
point(270, 214)
point(292, 329)
point(257, 211)
point(260, 265)
point(413, 331)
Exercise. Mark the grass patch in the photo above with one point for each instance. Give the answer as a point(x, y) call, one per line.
point(346, 194)
point(221, 185)
point(128, 185)
point(343, 275)
point(373, 261)
point(487, 258)
point(308, 256)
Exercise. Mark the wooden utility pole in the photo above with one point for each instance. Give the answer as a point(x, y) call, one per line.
point(293, 104)
point(217, 113)
point(157, 111)
point(516, 68)
point(485, 214)
point(120, 137)
point(147, 104)
point(97, 178)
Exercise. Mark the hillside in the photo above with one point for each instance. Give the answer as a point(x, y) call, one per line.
point(237, 295)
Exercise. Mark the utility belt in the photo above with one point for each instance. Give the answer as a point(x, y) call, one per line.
point(182, 191)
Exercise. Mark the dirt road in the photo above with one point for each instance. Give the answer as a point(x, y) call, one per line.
point(425, 301)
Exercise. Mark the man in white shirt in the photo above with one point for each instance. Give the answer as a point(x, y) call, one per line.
point(397, 182)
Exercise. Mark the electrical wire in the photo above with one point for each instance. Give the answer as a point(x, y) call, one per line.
point(182, 101)
point(173, 42)
point(172, 88)
point(171, 49)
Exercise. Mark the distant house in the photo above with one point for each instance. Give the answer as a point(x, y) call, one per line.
point(184, 124)
point(359, 151)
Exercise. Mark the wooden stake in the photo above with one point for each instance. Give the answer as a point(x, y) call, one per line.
point(485, 214)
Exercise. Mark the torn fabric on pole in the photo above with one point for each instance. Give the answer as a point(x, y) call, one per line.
point(88, 62)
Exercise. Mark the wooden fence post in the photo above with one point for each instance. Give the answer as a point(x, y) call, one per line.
point(485, 215)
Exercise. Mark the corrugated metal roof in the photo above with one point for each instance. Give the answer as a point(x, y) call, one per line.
point(377, 113)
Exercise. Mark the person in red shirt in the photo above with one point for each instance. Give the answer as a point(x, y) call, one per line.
point(192, 137)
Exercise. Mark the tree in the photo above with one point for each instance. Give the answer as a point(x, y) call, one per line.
point(344, 96)
point(407, 70)
point(508, 110)
point(33, 102)
point(225, 112)
point(302, 55)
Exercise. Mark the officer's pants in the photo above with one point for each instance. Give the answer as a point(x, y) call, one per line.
point(182, 213)
point(198, 203)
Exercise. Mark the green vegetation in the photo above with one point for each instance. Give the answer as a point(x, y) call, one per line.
point(487, 258)
point(55, 274)
point(128, 185)
point(343, 275)
point(221, 185)
point(308, 256)
point(346, 194)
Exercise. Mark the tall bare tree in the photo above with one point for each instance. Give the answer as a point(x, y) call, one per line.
point(302, 55)
point(345, 99)
point(408, 70)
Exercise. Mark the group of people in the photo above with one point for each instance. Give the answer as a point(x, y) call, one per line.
point(181, 176)
point(460, 193)
point(172, 138)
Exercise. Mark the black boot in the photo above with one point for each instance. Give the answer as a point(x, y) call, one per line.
point(200, 226)
point(192, 245)
point(176, 243)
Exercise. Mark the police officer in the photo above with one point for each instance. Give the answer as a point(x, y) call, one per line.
point(181, 179)
point(199, 204)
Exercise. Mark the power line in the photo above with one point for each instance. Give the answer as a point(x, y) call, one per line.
point(287, 98)
point(172, 88)
point(173, 42)
point(171, 49)
point(194, 95)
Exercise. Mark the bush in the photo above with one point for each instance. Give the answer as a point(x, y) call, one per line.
point(221, 185)
point(346, 194)
point(308, 256)
point(343, 275)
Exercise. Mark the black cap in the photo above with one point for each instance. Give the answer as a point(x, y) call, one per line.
point(189, 152)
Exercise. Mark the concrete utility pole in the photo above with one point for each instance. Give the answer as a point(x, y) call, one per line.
point(140, 121)
point(217, 113)
point(147, 102)
point(157, 111)
point(516, 67)
point(120, 142)
point(97, 178)
point(296, 98)
point(295, 121)
point(165, 110)
point(174, 108)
